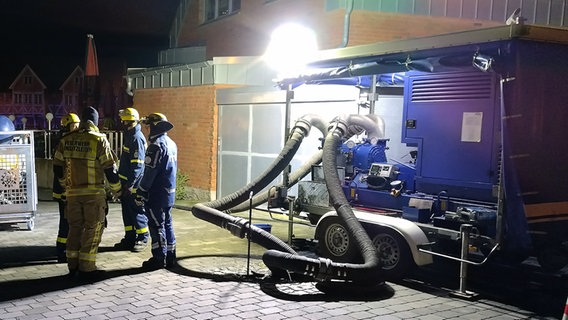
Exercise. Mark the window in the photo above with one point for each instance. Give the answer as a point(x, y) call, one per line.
point(17, 98)
point(38, 99)
point(215, 9)
point(68, 100)
point(27, 80)
point(28, 98)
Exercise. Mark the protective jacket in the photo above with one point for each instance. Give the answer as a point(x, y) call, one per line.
point(158, 185)
point(131, 166)
point(92, 159)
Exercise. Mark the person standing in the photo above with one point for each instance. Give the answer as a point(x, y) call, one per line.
point(157, 191)
point(130, 170)
point(69, 123)
point(82, 161)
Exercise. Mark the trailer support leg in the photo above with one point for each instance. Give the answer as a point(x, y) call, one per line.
point(465, 230)
point(291, 204)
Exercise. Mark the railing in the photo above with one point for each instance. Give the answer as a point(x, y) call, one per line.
point(45, 142)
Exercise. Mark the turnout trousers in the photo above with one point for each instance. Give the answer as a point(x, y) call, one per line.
point(162, 233)
point(63, 230)
point(134, 219)
point(86, 218)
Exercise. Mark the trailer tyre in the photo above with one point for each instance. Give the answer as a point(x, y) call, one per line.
point(394, 253)
point(335, 242)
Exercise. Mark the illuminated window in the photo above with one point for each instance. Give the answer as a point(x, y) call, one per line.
point(215, 9)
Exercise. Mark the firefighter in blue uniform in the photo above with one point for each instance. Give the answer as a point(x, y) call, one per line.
point(130, 170)
point(157, 191)
point(81, 162)
point(69, 123)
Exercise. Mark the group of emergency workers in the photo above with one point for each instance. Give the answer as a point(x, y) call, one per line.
point(144, 180)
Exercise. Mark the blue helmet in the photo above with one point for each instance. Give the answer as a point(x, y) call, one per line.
point(6, 125)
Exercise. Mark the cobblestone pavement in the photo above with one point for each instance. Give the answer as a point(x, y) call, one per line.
point(215, 279)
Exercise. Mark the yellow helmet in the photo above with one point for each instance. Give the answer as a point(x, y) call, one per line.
point(154, 118)
point(128, 114)
point(69, 119)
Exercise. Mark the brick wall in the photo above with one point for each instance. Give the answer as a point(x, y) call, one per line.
point(247, 33)
point(193, 112)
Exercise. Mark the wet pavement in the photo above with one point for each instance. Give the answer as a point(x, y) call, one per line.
point(216, 278)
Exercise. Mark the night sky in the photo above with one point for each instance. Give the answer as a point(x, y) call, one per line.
point(50, 35)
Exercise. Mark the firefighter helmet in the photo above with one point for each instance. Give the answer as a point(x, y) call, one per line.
point(69, 119)
point(129, 114)
point(158, 123)
point(6, 125)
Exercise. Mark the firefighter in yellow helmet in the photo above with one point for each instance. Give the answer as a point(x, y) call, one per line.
point(130, 171)
point(69, 123)
point(82, 161)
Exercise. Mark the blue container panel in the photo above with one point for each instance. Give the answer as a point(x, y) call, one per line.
point(434, 109)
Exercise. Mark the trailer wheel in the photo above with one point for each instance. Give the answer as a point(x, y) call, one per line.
point(393, 252)
point(335, 242)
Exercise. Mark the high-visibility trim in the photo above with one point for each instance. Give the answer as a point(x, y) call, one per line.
point(125, 148)
point(91, 172)
point(128, 228)
point(137, 161)
point(61, 240)
point(123, 177)
point(56, 195)
point(88, 257)
point(86, 192)
point(545, 212)
point(142, 231)
point(72, 254)
point(115, 186)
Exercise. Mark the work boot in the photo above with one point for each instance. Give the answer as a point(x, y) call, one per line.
point(124, 245)
point(171, 264)
point(171, 260)
point(139, 246)
point(153, 264)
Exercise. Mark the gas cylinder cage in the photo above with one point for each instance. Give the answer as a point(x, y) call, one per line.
point(18, 181)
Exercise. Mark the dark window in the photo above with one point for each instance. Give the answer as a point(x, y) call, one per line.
point(215, 9)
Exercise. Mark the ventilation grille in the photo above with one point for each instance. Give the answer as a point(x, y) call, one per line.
point(452, 88)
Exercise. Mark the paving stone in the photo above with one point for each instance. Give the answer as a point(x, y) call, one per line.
point(211, 282)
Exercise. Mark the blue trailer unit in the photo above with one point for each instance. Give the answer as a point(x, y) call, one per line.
point(486, 111)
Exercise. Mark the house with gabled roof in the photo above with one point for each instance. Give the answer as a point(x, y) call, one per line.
point(28, 100)
point(70, 94)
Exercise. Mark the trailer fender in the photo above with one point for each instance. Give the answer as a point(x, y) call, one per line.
point(413, 235)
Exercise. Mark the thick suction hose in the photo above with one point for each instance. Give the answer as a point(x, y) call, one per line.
point(325, 269)
point(280, 256)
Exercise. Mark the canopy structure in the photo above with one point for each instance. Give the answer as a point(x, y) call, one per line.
point(478, 49)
